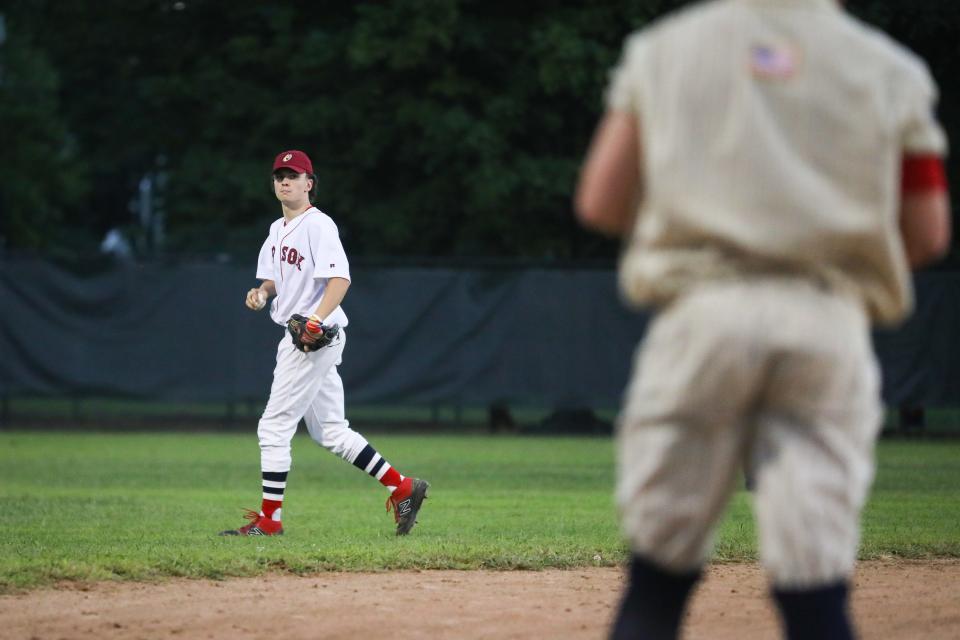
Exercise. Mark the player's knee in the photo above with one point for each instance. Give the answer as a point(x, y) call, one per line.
point(268, 437)
point(807, 567)
point(808, 550)
point(678, 552)
point(677, 538)
point(806, 540)
point(337, 438)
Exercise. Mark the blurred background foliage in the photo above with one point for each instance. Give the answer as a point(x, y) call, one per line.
point(438, 128)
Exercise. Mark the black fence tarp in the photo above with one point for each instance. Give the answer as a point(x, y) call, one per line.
point(920, 360)
point(417, 336)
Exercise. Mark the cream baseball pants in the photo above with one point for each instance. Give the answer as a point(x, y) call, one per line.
point(777, 376)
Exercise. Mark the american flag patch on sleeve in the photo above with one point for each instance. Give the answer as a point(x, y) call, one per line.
point(773, 61)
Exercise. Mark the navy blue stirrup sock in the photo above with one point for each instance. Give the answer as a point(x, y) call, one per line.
point(653, 604)
point(819, 613)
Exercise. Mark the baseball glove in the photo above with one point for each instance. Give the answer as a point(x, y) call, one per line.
point(309, 334)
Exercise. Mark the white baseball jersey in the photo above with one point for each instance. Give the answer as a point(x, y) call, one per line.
point(300, 256)
point(772, 133)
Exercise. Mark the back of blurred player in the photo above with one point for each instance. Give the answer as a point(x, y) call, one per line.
point(775, 167)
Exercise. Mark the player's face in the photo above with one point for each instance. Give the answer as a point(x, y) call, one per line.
point(291, 187)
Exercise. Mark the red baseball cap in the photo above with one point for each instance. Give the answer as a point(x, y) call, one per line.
point(293, 159)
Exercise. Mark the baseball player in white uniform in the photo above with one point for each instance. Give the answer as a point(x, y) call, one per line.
point(302, 265)
point(775, 169)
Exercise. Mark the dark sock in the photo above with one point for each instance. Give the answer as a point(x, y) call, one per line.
point(819, 613)
point(654, 602)
point(369, 461)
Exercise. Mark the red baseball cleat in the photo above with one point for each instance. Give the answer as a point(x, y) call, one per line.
point(258, 526)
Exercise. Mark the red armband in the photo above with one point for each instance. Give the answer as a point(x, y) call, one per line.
point(922, 173)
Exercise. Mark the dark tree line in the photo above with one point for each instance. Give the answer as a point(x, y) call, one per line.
point(443, 128)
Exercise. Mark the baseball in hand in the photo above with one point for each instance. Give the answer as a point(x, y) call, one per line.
point(256, 299)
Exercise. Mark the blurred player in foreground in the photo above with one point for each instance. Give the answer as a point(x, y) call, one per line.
point(303, 264)
point(775, 169)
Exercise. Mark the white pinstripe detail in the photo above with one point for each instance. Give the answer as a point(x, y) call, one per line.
point(276, 484)
point(386, 467)
point(373, 461)
point(273, 496)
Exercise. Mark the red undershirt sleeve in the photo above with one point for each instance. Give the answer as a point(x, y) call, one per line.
point(922, 172)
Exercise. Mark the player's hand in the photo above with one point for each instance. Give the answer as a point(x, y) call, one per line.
point(312, 331)
point(256, 299)
point(308, 337)
point(309, 334)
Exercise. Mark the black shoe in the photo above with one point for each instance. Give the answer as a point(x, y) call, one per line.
point(406, 501)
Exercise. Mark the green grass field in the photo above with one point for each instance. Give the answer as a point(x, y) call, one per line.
point(93, 506)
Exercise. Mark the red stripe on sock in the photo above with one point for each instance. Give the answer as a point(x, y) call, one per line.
point(391, 478)
point(269, 506)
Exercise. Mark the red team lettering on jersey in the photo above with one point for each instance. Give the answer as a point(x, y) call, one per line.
point(290, 255)
point(300, 256)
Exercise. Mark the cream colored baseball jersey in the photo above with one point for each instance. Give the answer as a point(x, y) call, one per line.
point(772, 133)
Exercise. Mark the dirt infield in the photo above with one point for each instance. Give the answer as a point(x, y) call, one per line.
point(891, 600)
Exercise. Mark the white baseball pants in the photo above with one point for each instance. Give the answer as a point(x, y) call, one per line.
point(308, 386)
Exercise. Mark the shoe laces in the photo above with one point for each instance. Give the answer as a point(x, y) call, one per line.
point(391, 506)
point(393, 500)
point(252, 516)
